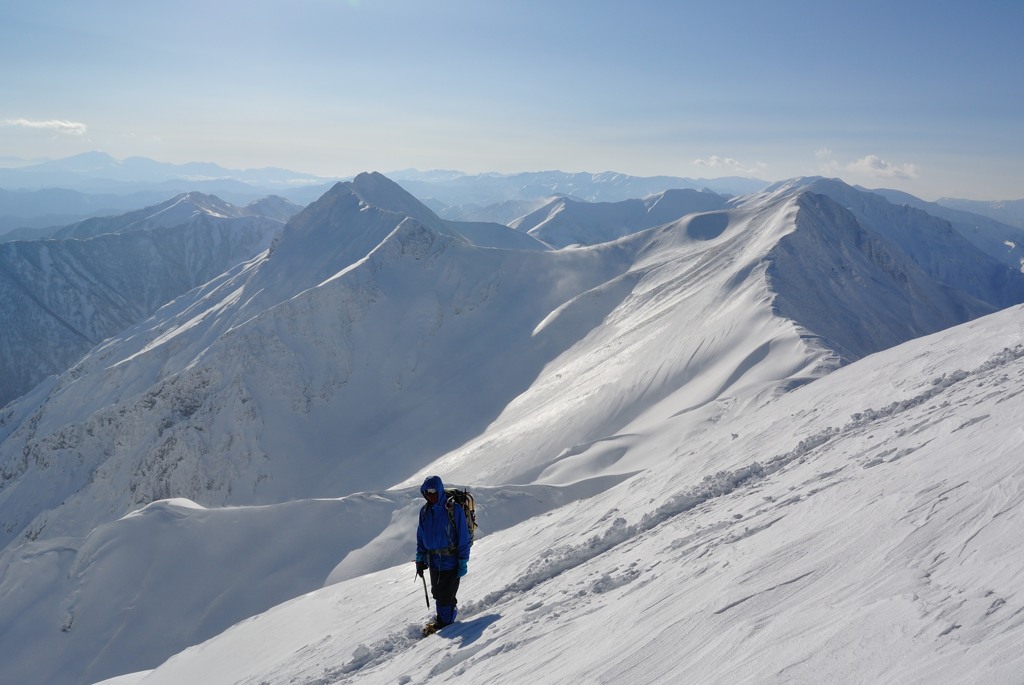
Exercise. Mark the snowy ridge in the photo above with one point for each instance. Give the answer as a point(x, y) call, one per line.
point(289, 315)
point(999, 234)
point(638, 383)
point(185, 209)
point(862, 525)
point(59, 298)
point(565, 221)
point(869, 294)
point(926, 239)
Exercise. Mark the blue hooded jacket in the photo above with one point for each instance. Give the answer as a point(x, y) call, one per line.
point(436, 540)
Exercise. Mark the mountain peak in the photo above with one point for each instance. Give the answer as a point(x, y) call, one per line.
point(378, 190)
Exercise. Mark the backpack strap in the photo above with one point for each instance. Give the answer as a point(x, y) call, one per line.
point(454, 531)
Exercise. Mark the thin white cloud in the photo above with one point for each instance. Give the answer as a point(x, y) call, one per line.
point(58, 125)
point(730, 164)
point(869, 166)
point(876, 167)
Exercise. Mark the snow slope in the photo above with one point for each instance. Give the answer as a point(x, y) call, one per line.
point(185, 573)
point(375, 343)
point(863, 528)
point(60, 298)
point(995, 228)
point(181, 210)
point(928, 240)
point(564, 221)
point(676, 335)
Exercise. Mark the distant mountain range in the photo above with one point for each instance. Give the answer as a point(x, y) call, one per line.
point(1007, 212)
point(58, 192)
point(92, 171)
point(462, 192)
point(54, 193)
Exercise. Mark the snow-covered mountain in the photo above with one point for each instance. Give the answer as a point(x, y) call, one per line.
point(564, 221)
point(185, 209)
point(930, 241)
point(59, 298)
point(1002, 238)
point(625, 383)
point(26, 214)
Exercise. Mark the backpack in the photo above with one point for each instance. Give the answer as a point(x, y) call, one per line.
point(464, 499)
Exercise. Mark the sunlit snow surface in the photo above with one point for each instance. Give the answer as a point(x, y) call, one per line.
point(654, 505)
point(863, 528)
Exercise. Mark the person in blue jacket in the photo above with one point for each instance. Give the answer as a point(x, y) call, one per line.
point(442, 547)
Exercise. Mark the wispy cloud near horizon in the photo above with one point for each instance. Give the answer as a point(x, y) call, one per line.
point(733, 165)
point(73, 128)
point(871, 166)
point(875, 166)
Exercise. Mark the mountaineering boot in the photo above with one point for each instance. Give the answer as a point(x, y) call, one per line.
point(432, 626)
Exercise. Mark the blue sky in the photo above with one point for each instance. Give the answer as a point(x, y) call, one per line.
point(925, 97)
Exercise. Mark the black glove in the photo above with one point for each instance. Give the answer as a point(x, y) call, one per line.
point(420, 568)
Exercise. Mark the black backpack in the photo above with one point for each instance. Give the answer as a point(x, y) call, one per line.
point(464, 499)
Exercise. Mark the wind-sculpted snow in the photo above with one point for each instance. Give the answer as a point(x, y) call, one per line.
point(375, 344)
point(555, 561)
point(840, 290)
point(233, 395)
point(197, 570)
point(875, 511)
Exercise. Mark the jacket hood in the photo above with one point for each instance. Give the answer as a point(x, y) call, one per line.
point(433, 482)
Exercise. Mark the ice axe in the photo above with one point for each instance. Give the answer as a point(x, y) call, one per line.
point(425, 595)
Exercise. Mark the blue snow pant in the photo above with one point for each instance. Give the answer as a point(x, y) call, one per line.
point(443, 586)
